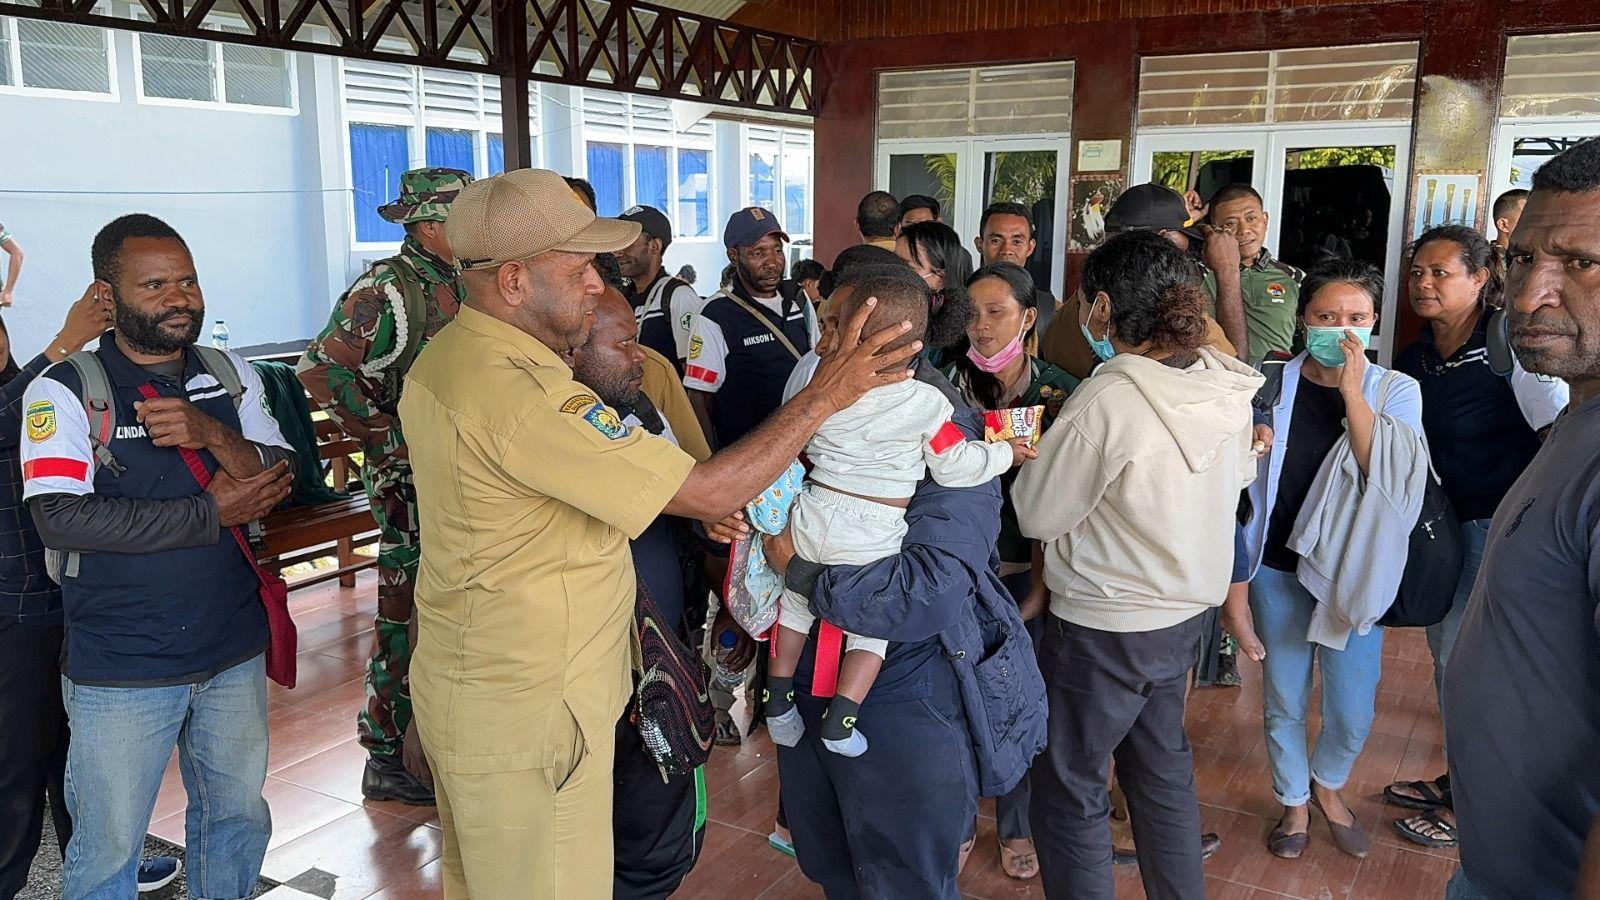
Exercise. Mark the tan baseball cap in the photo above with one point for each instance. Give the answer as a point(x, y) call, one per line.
point(524, 213)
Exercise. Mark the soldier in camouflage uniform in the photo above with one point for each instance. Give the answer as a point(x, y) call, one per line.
point(354, 369)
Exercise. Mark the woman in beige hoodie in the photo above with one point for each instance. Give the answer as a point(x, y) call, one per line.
point(1133, 497)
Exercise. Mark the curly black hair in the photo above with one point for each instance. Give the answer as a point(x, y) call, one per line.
point(1576, 170)
point(105, 254)
point(1154, 289)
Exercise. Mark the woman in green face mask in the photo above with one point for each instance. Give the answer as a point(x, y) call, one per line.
point(1327, 393)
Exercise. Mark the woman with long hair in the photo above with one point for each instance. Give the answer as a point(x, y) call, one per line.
point(1132, 498)
point(933, 250)
point(992, 370)
point(1483, 429)
point(1309, 516)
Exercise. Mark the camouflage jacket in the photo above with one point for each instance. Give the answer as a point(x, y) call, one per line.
point(353, 370)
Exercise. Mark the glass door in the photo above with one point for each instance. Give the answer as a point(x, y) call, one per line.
point(967, 175)
point(1200, 161)
point(934, 169)
point(1033, 175)
point(1334, 194)
point(1523, 147)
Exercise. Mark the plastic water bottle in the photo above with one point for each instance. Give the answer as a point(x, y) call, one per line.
point(219, 335)
point(725, 677)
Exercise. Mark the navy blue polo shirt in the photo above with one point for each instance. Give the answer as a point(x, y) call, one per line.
point(739, 358)
point(1478, 435)
point(176, 616)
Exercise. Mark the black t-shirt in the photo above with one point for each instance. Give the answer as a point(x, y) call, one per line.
point(1315, 426)
point(1478, 436)
point(1522, 691)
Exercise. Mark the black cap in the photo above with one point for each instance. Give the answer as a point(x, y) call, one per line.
point(652, 220)
point(1153, 206)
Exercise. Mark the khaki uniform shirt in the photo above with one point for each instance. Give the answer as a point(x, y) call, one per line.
point(529, 490)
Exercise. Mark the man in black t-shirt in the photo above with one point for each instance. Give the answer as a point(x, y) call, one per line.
point(1522, 691)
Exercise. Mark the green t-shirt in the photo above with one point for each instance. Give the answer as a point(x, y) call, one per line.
point(1271, 293)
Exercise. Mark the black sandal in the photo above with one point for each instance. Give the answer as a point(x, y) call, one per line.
point(1428, 829)
point(1432, 794)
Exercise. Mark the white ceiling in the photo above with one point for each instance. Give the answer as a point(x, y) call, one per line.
point(716, 9)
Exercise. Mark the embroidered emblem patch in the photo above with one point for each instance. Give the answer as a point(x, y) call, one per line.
point(579, 402)
point(1276, 291)
point(606, 422)
point(696, 344)
point(41, 417)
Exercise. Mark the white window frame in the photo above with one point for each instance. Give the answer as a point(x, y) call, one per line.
point(624, 133)
point(293, 109)
point(14, 63)
point(745, 199)
point(418, 119)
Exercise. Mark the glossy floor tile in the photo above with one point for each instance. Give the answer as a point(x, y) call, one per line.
point(329, 842)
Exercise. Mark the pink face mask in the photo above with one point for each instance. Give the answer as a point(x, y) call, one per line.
point(996, 363)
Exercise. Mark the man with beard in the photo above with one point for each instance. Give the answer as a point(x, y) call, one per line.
point(1523, 684)
point(657, 822)
point(354, 370)
point(166, 628)
point(747, 339)
point(664, 305)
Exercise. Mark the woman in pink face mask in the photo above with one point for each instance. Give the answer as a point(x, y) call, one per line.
point(993, 370)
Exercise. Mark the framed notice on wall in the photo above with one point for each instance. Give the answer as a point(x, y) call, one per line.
point(1445, 197)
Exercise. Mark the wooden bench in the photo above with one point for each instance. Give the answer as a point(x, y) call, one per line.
point(300, 534)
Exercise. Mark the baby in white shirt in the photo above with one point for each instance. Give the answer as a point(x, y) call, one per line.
point(866, 462)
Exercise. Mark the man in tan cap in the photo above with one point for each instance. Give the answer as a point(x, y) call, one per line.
point(530, 489)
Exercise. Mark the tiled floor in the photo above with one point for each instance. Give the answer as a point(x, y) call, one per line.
point(388, 851)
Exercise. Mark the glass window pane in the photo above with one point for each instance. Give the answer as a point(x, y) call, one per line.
point(1336, 205)
point(257, 76)
point(694, 193)
point(763, 168)
point(176, 68)
point(1028, 177)
point(1202, 171)
point(63, 57)
point(5, 54)
point(605, 173)
point(378, 155)
point(797, 191)
point(451, 148)
point(932, 174)
point(497, 154)
point(650, 176)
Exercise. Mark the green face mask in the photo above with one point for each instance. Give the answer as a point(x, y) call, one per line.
point(1322, 342)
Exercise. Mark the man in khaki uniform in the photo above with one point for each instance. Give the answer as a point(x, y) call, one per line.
point(530, 489)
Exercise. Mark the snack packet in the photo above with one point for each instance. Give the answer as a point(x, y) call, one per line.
point(1016, 422)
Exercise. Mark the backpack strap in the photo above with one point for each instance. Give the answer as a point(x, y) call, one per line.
point(1267, 395)
point(1497, 338)
point(416, 309)
point(220, 366)
point(98, 405)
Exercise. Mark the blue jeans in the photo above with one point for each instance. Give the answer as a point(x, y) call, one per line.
point(1282, 611)
point(1442, 637)
point(1460, 888)
point(121, 741)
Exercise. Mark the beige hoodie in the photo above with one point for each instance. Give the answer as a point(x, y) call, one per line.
point(1135, 491)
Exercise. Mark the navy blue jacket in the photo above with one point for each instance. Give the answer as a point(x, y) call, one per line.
point(26, 592)
point(940, 602)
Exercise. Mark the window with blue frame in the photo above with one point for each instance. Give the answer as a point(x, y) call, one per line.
point(694, 193)
point(497, 154)
point(450, 148)
point(378, 156)
point(762, 178)
point(650, 177)
point(605, 173)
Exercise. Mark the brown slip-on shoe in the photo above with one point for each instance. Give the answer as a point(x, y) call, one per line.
point(1348, 838)
point(1285, 845)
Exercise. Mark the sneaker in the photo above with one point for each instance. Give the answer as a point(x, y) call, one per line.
point(157, 872)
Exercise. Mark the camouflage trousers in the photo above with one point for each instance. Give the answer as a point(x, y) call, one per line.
point(381, 725)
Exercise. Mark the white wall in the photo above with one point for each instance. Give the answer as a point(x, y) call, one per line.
point(243, 188)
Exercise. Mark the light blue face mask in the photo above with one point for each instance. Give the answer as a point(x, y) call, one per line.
point(1322, 342)
point(1101, 346)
